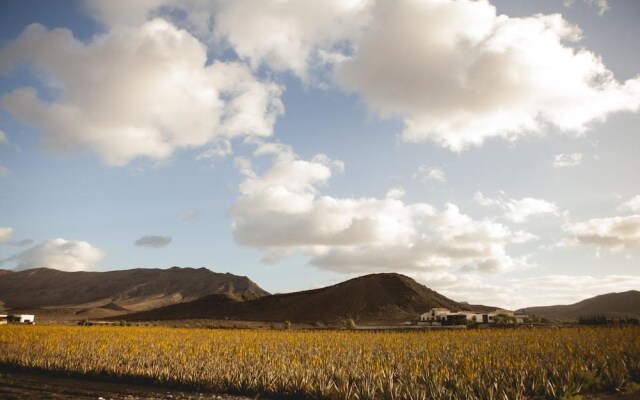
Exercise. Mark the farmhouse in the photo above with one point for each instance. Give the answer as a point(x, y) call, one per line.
point(445, 316)
point(435, 315)
point(18, 319)
point(3, 319)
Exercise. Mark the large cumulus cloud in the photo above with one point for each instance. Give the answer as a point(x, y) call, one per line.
point(458, 73)
point(282, 211)
point(141, 91)
point(455, 72)
point(295, 36)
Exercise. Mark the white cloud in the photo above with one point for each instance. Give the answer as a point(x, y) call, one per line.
point(188, 214)
point(567, 160)
point(603, 5)
point(526, 292)
point(457, 73)
point(396, 193)
point(430, 174)
point(153, 241)
point(132, 92)
point(288, 35)
point(6, 237)
point(615, 233)
point(218, 150)
point(483, 200)
point(110, 13)
point(632, 204)
point(296, 36)
point(519, 210)
point(5, 234)
point(282, 211)
point(3, 137)
point(61, 254)
point(447, 240)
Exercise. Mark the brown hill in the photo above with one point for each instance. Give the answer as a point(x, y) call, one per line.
point(610, 304)
point(381, 298)
point(117, 291)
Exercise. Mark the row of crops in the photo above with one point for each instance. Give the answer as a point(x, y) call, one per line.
point(482, 364)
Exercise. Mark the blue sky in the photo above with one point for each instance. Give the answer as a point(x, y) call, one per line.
point(487, 149)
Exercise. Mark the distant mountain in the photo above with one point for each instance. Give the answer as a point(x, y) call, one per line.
point(372, 298)
point(117, 292)
point(477, 307)
point(610, 304)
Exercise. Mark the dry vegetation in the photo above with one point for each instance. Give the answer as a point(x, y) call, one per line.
point(487, 364)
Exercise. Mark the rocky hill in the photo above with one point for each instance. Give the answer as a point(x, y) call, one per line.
point(384, 298)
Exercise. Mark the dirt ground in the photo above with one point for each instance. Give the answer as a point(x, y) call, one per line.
point(24, 385)
point(614, 396)
point(21, 385)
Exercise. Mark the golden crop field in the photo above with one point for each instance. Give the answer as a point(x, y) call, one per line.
point(474, 364)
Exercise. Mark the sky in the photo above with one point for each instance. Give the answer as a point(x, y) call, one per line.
point(488, 149)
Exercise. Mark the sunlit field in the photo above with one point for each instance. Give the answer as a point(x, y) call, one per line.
point(485, 364)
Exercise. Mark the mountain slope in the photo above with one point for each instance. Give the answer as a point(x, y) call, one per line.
point(371, 298)
point(610, 304)
point(120, 291)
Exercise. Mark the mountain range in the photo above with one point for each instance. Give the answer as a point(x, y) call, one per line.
point(624, 304)
point(188, 293)
point(103, 294)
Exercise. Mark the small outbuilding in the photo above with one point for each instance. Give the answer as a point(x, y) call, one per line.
point(21, 319)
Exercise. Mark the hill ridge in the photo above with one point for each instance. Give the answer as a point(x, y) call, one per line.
point(614, 304)
point(385, 297)
point(131, 289)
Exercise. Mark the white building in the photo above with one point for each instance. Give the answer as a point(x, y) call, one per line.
point(443, 315)
point(26, 318)
point(435, 315)
point(471, 316)
point(21, 318)
point(3, 319)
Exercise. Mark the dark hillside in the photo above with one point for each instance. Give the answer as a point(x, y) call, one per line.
point(610, 304)
point(135, 289)
point(371, 298)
